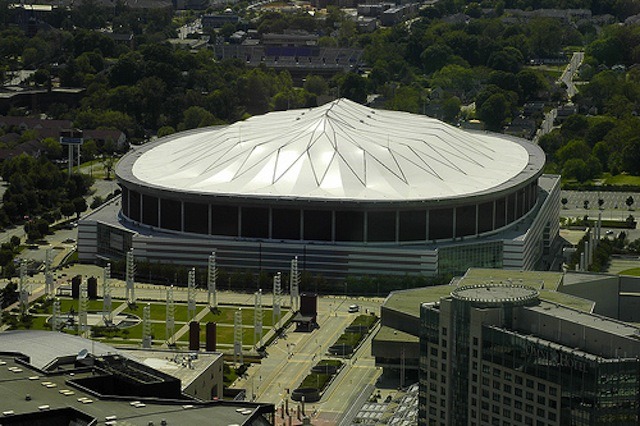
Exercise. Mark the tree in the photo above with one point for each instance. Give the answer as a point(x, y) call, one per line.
point(455, 78)
point(575, 168)
point(41, 76)
point(405, 98)
point(195, 117)
point(52, 148)
point(545, 37)
point(631, 156)
point(79, 205)
point(631, 221)
point(629, 202)
point(509, 60)
point(316, 84)
point(606, 50)
point(89, 150)
point(108, 163)
point(504, 80)
point(435, 57)
point(354, 87)
point(451, 108)
point(573, 149)
point(598, 129)
point(531, 83)
point(494, 111)
point(67, 209)
point(97, 202)
point(165, 131)
point(634, 246)
point(33, 234)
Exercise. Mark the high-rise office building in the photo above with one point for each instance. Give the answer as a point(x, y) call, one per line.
point(498, 355)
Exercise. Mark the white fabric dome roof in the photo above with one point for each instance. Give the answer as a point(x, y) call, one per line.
point(341, 150)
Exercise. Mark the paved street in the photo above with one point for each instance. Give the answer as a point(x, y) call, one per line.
point(570, 71)
point(567, 79)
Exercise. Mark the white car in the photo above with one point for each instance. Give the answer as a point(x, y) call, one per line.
point(354, 308)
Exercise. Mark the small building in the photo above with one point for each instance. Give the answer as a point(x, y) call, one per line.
point(103, 136)
point(200, 373)
point(565, 111)
point(219, 20)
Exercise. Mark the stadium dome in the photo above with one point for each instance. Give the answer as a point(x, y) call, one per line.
point(341, 172)
point(339, 151)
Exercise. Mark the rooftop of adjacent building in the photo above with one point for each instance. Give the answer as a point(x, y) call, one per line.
point(496, 294)
point(28, 390)
point(588, 320)
point(547, 283)
point(184, 365)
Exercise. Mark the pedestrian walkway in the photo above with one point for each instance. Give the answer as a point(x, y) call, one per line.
point(185, 328)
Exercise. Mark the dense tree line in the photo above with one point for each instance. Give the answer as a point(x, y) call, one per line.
point(37, 188)
point(605, 136)
point(618, 8)
point(155, 88)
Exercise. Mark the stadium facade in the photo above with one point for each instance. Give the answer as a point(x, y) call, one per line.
point(348, 189)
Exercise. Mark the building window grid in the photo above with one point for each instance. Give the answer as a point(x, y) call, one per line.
point(540, 400)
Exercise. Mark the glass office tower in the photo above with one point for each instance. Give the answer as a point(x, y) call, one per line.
point(497, 355)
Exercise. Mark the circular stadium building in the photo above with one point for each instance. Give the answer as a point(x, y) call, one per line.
point(346, 188)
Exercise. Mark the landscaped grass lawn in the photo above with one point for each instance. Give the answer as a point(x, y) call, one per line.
point(66, 305)
point(315, 380)
point(158, 311)
point(130, 335)
point(354, 338)
point(622, 180)
point(333, 362)
point(224, 335)
point(158, 331)
point(633, 271)
point(226, 316)
point(367, 320)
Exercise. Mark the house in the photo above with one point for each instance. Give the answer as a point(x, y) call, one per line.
point(51, 129)
point(32, 148)
point(103, 136)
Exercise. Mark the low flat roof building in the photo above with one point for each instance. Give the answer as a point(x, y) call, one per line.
point(41, 382)
point(200, 373)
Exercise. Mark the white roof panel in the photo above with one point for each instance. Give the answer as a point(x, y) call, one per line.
point(341, 150)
